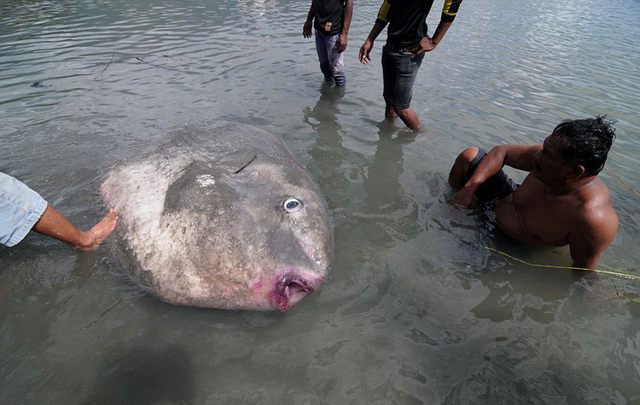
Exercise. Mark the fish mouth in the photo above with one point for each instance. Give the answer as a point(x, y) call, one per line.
point(290, 289)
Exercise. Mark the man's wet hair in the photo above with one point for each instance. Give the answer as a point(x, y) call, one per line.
point(586, 142)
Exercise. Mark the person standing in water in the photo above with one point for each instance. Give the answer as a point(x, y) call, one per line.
point(331, 20)
point(407, 42)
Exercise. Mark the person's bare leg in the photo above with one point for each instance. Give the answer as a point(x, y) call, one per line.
point(410, 118)
point(389, 112)
point(54, 225)
point(458, 174)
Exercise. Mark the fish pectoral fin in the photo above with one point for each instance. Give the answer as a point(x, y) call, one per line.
point(202, 188)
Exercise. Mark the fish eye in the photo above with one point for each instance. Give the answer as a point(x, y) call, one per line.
point(292, 205)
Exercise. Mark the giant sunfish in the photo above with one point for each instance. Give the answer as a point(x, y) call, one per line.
point(223, 217)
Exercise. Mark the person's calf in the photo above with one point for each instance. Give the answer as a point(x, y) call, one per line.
point(389, 112)
point(325, 68)
point(409, 117)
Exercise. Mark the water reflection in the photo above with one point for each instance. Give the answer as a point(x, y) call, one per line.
point(516, 293)
point(387, 211)
point(385, 195)
point(141, 375)
point(372, 213)
point(328, 151)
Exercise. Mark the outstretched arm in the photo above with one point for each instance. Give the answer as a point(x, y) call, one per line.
point(54, 225)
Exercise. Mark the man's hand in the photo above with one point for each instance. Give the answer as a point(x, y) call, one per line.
point(463, 199)
point(306, 30)
point(341, 43)
point(365, 51)
point(426, 44)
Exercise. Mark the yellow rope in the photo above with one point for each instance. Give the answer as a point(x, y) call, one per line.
point(622, 181)
point(620, 295)
point(612, 271)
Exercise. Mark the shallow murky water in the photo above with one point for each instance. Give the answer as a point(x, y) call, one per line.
point(416, 310)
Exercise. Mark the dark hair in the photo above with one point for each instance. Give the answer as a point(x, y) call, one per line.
point(586, 142)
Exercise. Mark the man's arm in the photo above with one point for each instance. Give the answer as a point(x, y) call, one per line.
point(518, 156)
point(365, 50)
point(308, 24)
point(592, 236)
point(341, 43)
point(426, 44)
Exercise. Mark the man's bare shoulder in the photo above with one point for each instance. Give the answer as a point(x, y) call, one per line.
point(596, 197)
point(597, 212)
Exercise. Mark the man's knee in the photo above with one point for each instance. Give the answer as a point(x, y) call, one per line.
point(458, 174)
point(467, 156)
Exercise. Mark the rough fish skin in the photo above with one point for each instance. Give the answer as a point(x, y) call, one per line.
point(223, 217)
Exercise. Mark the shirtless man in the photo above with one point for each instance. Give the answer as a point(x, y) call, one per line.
point(560, 202)
point(23, 210)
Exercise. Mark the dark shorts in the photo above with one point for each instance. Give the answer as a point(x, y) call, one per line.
point(399, 71)
point(496, 187)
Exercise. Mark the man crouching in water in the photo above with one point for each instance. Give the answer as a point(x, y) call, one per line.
point(561, 201)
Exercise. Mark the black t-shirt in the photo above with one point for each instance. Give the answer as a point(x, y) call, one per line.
point(407, 19)
point(329, 14)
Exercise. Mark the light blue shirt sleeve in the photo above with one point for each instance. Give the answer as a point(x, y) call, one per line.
point(20, 209)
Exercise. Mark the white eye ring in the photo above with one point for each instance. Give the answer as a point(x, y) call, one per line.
point(292, 205)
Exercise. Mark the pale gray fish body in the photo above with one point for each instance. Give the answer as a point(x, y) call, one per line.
point(223, 217)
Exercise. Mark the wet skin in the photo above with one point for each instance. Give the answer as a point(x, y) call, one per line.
point(556, 205)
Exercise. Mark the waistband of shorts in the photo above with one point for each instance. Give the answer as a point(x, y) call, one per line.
point(396, 46)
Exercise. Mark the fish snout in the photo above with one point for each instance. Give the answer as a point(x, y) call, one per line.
point(291, 288)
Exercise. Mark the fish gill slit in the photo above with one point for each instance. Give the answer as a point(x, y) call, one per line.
point(248, 163)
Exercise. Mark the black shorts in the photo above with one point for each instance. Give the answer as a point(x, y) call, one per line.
point(497, 186)
point(399, 73)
